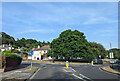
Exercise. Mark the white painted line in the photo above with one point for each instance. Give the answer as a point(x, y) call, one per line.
point(84, 77)
point(95, 65)
point(73, 70)
point(78, 77)
point(34, 74)
point(66, 70)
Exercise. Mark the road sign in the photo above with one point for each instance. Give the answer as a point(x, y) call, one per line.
point(31, 52)
point(111, 55)
point(67, 64)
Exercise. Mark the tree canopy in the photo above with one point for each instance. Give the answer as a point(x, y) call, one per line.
point(71, 44)
point(98, 49)
point(27, 43)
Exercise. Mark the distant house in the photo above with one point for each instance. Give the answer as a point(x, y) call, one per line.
point(5, 47)
point(19, 49)
point(40, 53)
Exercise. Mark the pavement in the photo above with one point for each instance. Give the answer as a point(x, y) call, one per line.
point(23, 72)
point(108, 69)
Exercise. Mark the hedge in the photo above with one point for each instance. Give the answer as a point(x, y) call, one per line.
point(74, 60)
point(10, 55)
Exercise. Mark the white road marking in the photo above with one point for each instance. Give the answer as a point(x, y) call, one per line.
point(34, 74)
point(64, 70)
point(73, 70)
point(95, 65)
point(67, 71)
point(78, 77)
point(84, 77)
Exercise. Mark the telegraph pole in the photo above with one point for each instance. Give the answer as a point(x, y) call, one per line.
point(52, 54)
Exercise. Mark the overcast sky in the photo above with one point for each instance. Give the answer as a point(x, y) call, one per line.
point(45, 21)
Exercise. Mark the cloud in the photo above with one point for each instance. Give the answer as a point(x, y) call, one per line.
point(38, 31)
point(99, 20)
point(106, 32)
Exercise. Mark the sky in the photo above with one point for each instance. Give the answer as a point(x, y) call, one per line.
point(44, 21)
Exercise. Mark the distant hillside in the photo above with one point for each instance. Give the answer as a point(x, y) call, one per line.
point(7, 39)
point(28, 43)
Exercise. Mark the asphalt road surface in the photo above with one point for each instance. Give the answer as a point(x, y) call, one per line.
point(76, 72)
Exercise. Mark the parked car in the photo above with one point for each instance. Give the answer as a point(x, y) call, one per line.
point(112, 62)
point(97, 61)
point(117, 62)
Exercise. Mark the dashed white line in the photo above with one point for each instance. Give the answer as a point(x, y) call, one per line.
point(78, 77)
point(66, 70)
point(84, 77)
point(73, 70)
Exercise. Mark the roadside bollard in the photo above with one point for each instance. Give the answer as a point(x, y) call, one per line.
point(67, 64)
point(92, 62)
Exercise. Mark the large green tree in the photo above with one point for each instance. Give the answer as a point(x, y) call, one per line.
point(98, 49)
point(71, 44)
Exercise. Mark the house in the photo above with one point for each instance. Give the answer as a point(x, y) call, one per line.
point(5, 47)
point(40, 53)
point(19, 49)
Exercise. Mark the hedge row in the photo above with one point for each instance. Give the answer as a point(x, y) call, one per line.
point(75, 60)
point(10, 55)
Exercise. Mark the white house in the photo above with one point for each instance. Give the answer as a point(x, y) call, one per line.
point(19, 49)
point(5, 47)
point(40, 53)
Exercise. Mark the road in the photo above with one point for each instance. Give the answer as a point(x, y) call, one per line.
point(76, 72)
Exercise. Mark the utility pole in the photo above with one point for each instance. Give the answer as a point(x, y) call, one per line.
point(111, 53)
point(52, 54)
point(110, 45)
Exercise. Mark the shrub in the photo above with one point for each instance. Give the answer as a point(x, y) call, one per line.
point(10, 55)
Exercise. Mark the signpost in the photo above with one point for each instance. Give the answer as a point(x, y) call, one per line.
point(111, 55)
point(31, 53)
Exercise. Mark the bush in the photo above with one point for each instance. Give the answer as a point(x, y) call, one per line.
point(75, 60)
point(10, 55)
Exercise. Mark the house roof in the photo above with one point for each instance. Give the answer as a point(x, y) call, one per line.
point(3, 46)
point(46, 47)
